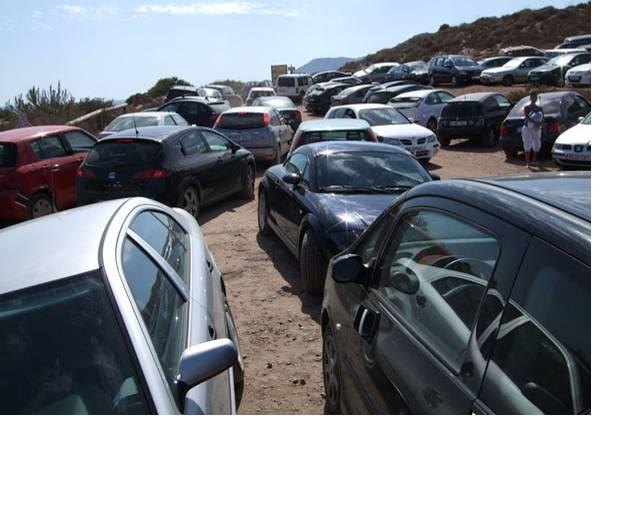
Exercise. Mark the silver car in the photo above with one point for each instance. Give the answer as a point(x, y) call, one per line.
point(141, 120)
point(423, 107)
point(115, 308)
point(515, 71)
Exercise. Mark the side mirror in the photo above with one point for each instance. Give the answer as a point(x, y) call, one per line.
point(292, 179)
point(202, 362)
point(435, 176)
point(406, 282)
point(347, 269)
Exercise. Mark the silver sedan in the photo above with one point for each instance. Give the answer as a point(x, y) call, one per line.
point(115, 308)
point(515, 71)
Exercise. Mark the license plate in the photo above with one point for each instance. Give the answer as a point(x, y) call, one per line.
point(458, 123)
point(581, 158)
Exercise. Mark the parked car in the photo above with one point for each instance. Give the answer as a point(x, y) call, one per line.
point(327, 193)
point(293, 85)
point(142, 120)
point(259, 129)
point(196, 110)
point(351, 95)
point(319, 100)
point(416, 71)
point(562, 110)
point(422, 106)
point(521, 51)
point(573, 148)
point(228, 94)
point(181, 91)
point(246, 88)
point(210, 93)
point(384, 94)
point(258, 92)
point(552, 54)
point(99, 325)
point(38, 170)
point(475, 116)
point(575, 41)
point(494, 62)
point(285, 107)
point(391, 127)
point(516, 71)
point(184, 167)
point(465, 297)
point(325, 76)
point(579, 76)
point(453, 69)
point(323, 130)
point(554, 71)
point(376, 72)
point(348, 80)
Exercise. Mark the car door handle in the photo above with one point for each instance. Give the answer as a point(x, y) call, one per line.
point(365, 322)
point(55, 167)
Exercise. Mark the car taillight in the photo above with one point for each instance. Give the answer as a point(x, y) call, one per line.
point(504, 130)
point(217, 123)
point(150, 174)
point(553, 127)
point(85, 173)
point(266, 118)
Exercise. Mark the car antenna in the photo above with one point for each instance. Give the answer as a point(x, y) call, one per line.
point(135, 126)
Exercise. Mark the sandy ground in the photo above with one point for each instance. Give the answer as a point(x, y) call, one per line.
point(278, 324)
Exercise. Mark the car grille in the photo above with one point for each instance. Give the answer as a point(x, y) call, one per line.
point(578, 148)
point(408, 142)
point(564, 147)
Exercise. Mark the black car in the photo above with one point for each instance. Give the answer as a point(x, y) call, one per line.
point(453, 69)
point(465, 296)
point(351, 95)
point(416, 71)
point(554, 71)
point(319, 100)
point(384, 93)
point(325, 76)
point(494, 62)
point(562, 110)
point(284, 105)
point(475, 116)
point(184, 167)
point(197, 111)
point(326, 194)
point(181, 91)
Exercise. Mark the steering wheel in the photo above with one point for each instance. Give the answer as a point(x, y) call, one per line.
point(483, 269)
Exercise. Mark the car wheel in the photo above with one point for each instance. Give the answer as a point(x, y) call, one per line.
point(490, 139)
point(511, 153)
point(445, 141)
point(454, 81)
point(40, 205)
point(248, 183)
point(432, 124)
point(432, 80)
point(263, 212)
point(189, 201)
point(313, 268)
point(330, 373)
point(507, 81)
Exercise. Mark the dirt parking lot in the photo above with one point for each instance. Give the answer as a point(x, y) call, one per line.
point(278, 324)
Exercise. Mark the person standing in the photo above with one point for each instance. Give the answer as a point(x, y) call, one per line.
point(532, 129)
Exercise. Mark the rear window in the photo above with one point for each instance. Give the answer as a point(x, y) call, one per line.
point(127, 123)
point(550, 106)
point(125, 153)
point(406, 99)
point(7, 155)
point(286, 81)
point(462, 109)
point(321, 136)
point(179, 93)
point(242, 121)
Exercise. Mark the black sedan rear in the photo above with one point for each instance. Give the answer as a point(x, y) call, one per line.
point(284, 106)
point(319, 101)
point(197, 110)
point(184, 167)
point(326, 194)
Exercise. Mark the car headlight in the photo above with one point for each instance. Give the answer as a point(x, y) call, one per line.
point(431, 139)
point(389, 140)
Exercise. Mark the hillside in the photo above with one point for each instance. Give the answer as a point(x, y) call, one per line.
point(324, 64)
point(543, 28)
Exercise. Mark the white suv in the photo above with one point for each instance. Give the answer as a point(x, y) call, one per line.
point(293, 85)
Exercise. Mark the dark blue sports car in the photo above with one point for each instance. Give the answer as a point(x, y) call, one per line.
point(326, 194)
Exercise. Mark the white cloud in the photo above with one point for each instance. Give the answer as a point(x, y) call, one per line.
point(215, 9)
point(95, 12)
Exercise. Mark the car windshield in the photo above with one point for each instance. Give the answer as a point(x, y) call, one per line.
point(587, 120)
point(7, 155)
point(274, 102)
point(550, 106)
point(368, 172)
point(62, 351)
point(561, 60)
point(382, 116)
point(242, 120)
point(127, 123)
point(463, 62)
point(417, 66)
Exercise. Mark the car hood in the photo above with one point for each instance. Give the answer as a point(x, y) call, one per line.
point(546, 68)
point(395, 131)
point(579, 134)
point(350, 212)
point(497, 71)
point(581, 69)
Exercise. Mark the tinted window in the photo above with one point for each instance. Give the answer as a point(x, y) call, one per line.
point(435, 271)
point(167, 238)
point(311, 137)
point(502, 101)
point(79, 142)
point(127, 123)
point(445, 97)
point(192, 144)
point(550, 105)
point(51, 147)
point(162, 308)
point(7, 155)
point(286, 81)
point(62, 352)
point(125, 153)
point(461, 109)
point(242, 120)
point(297, 164)
point(544, 343)
point(216, 142)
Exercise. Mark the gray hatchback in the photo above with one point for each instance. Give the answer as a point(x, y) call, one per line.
point(115, 308)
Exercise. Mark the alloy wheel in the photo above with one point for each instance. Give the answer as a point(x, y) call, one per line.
point(190, 201)
point(330, 371)
point(41, 207)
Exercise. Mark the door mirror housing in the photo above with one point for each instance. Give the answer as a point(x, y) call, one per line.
point(292, 179)
point(202, 362)
point(347, 268)
point(406, 282)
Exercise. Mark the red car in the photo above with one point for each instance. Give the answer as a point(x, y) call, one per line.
point(38, 168)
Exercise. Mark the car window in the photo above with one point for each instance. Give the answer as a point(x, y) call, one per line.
point(7, 154)
point(445, 97)
point(435, 271)
point(432, 99)
point(169, 121)
point(490, 104)
point(173, 107)
point(79, 141)
point(216, 142)
point(50, 147)
point(167, 238)
point(582, 104)
point(503, 102)
point(192, 144)
point(179, 120)
point(162, 308)
point(366, 248)
point(543, 348)
point(297, 164)
point(274, 119)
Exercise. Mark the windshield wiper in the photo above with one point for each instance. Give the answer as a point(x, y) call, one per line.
point(392, 188)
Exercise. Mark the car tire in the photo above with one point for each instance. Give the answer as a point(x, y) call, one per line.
point(511, 154)
point(263, 215)
point(445, 141)
point(432, 125)
point(432, 81)
point(454, 81)
point(41, 205)
point(313, 268)
point(490, 138)
point(330, 373)
point(507, 81)
point(189, 200)
point(248, 183)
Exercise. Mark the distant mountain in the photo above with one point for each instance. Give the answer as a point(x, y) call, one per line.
point(324, 64)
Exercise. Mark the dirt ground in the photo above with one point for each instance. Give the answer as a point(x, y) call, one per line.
point(277, 323)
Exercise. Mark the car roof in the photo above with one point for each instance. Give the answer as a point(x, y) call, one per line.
point(333, 124)
point(54, 247)
point(295, 74)
point(318, 148)
point(200, 99)
point(418, 92)
point(357, 107)
point(152, 133)
point(262, 89)
point(248, 110)
point(19, 134)
point(474, 96)
point(183, 88)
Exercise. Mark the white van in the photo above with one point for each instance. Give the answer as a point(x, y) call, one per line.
point(293, 85)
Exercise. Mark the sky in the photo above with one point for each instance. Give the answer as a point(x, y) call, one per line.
point(114, 49)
